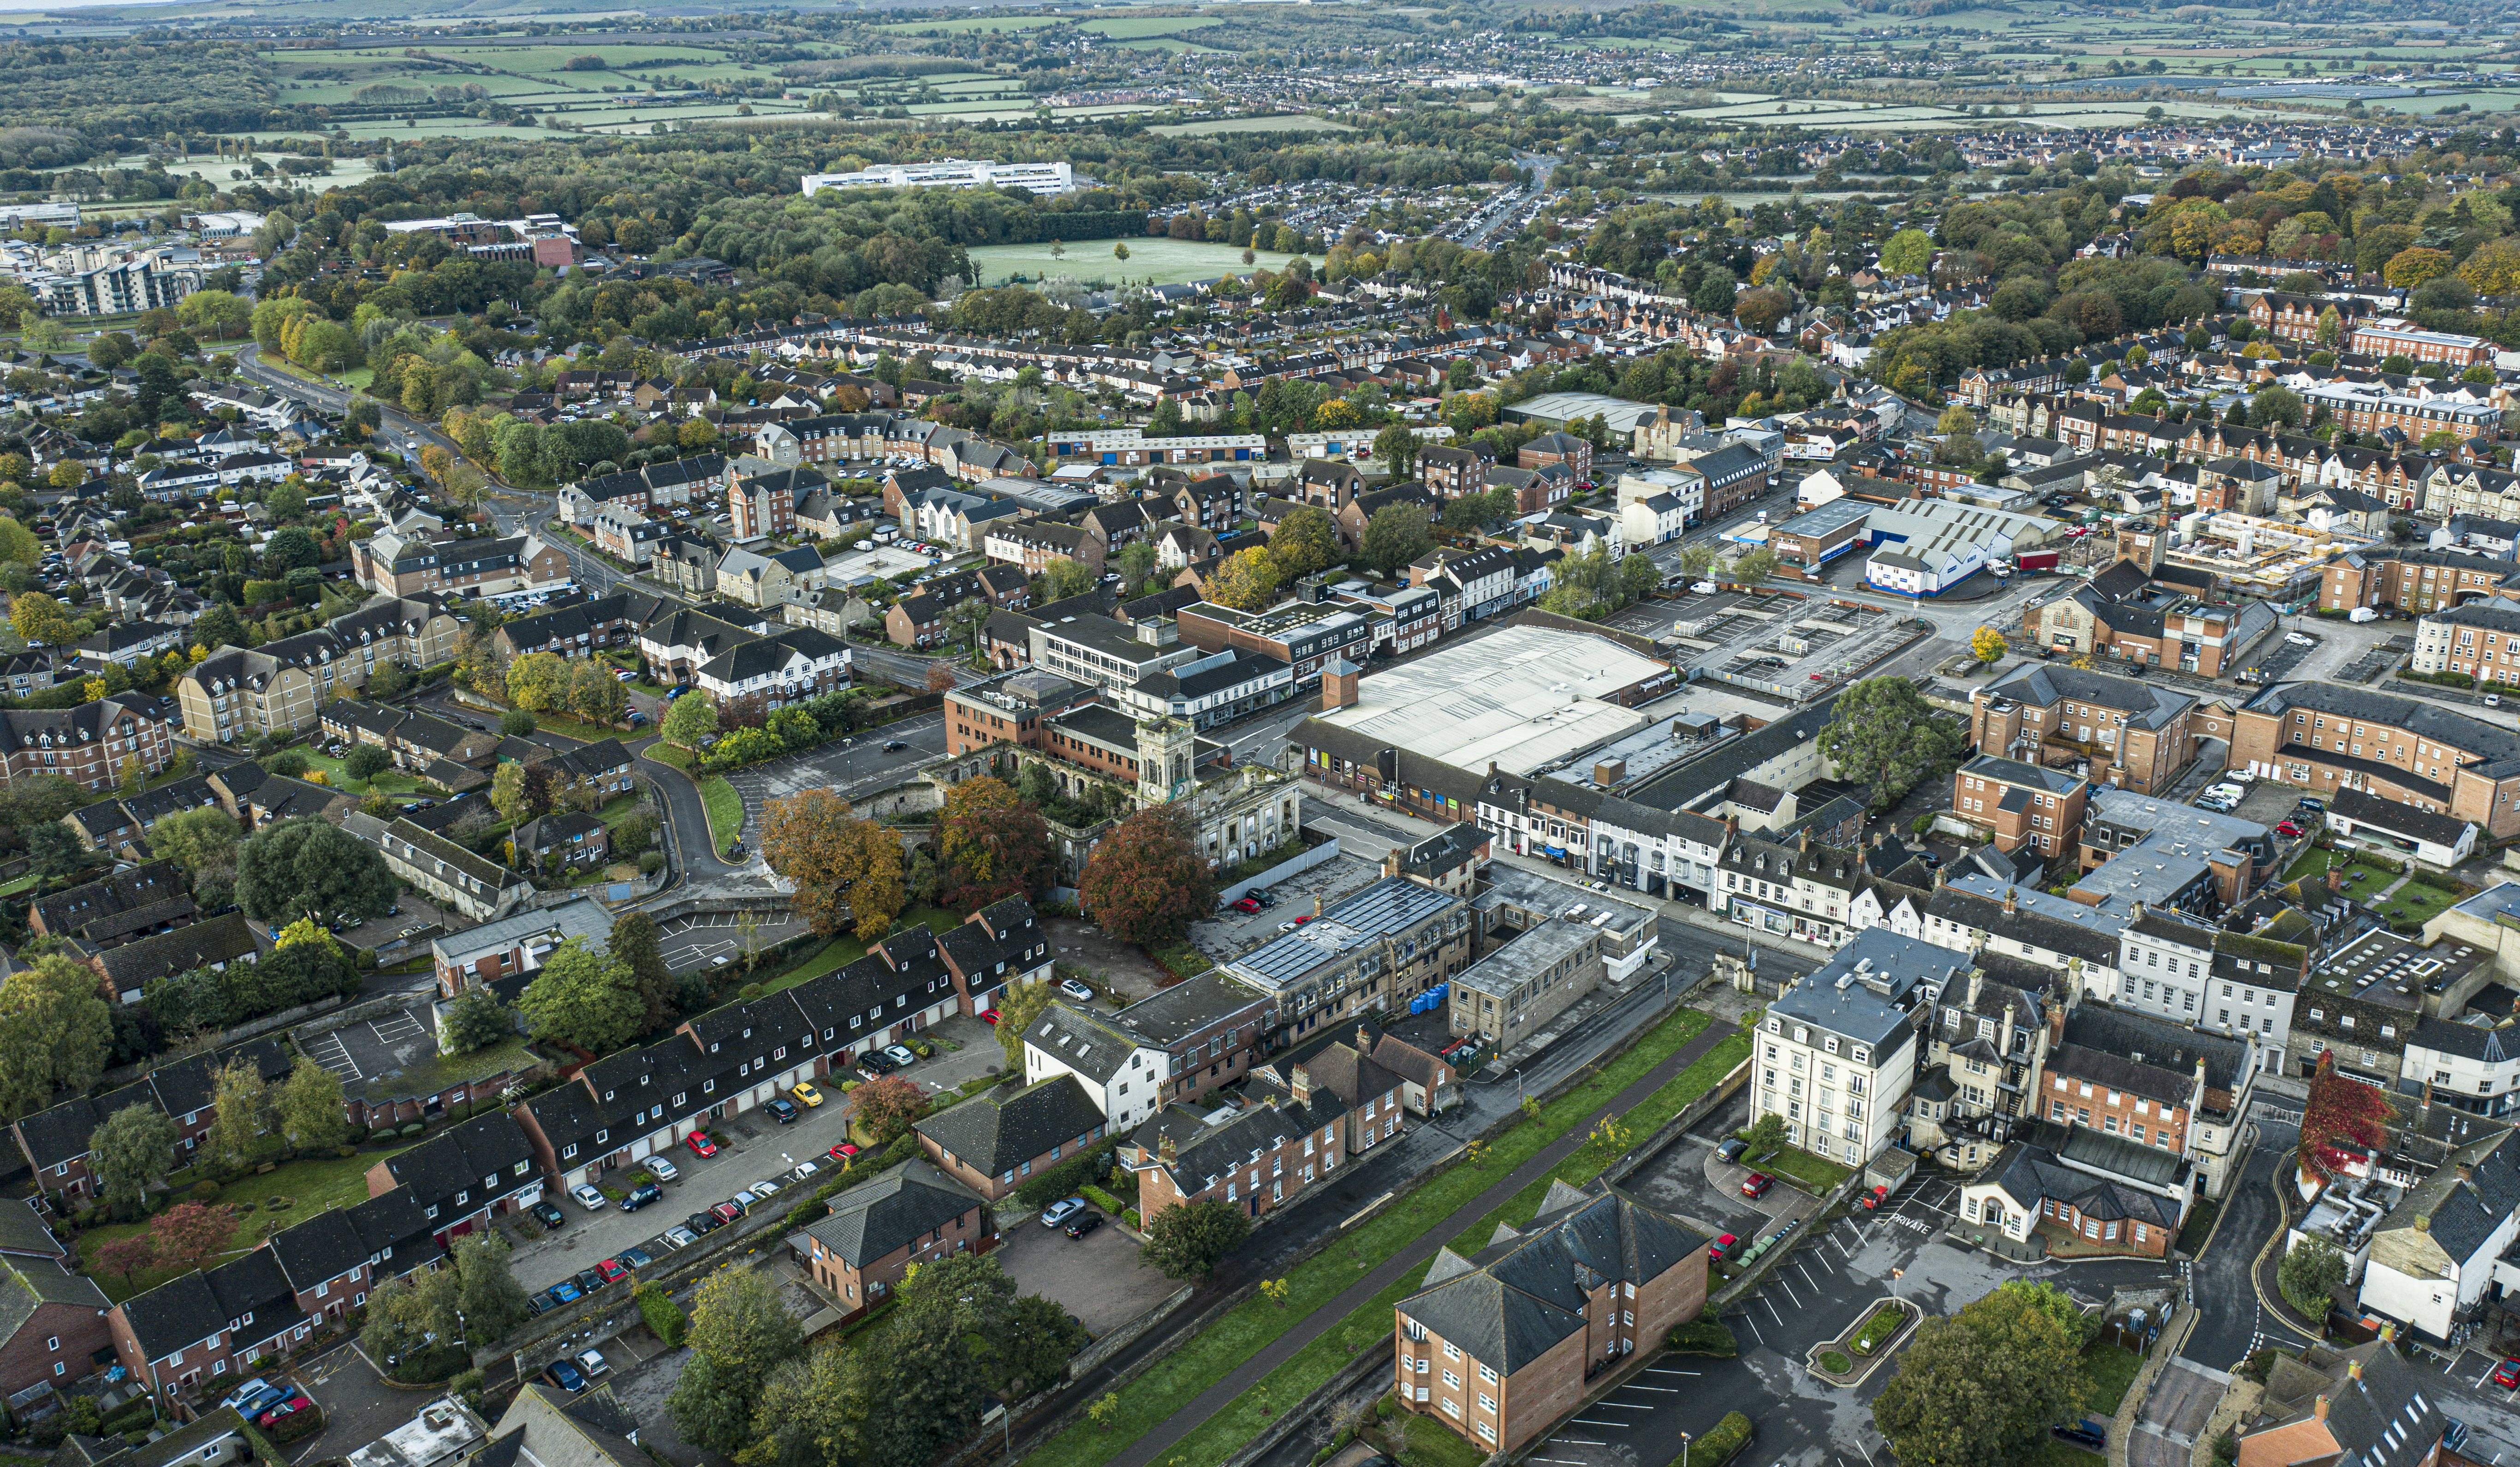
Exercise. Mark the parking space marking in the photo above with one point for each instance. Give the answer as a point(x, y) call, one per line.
point(1625, 1406)
point(1613, 1425)
point(1666, 1370)
point(1665, 1390)
point(1791, 1293)
point(1771, 1312)
point(329, 1053)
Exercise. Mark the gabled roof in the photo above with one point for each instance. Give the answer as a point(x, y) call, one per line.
point(1528, 1292)
point(994, 1136)
point(882, 1216)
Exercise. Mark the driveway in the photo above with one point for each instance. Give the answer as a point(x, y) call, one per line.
point(977, 1052)
point(1100, 1278)
point(714, 940)
point(2182, 1403)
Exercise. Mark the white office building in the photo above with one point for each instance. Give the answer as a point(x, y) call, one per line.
point(950, 173)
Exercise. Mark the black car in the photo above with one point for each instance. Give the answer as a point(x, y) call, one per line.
point(874, 1062)
point(894, 746)
point(701, 1222)
point(1085, 1223)
point(640, 1197)
point(588, 1280)
point(784, 1112)
point(547, 1214)
point(1730, 1151)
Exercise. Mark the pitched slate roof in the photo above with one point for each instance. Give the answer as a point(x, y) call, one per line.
point(1526, 1293)
point(995, 1136)
point(870, 1221)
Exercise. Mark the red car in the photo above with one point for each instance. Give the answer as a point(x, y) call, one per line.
point(1756, 1184)
point(1247, 904)
point(1875, 1197)
point(1300, 921)
point(2289, 828)
point(2507, 1374)
point(1722, 1248)
point(988, 1016)
point(291, 1406)
point(727, 1211)
point(843, 1151)
point(611, 1271)
point(701, 1144)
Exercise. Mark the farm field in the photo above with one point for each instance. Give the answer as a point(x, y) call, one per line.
point(1167, 44)
point(965, 27)
point(1139, 26)
point(1215, 127)
point(1160, 262)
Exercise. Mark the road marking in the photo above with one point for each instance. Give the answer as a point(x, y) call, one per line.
point(1807, 1280)
point(1665, 1390)
point(1772, 1310)
point(1624, 1406)
point(1791, 1293)
point(1588, 1421)
point(1666, 1370)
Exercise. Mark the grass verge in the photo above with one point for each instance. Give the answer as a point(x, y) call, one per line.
point(1153, 1397)
point(2199, 1225)
point(845, 950)
point(2110, 1369)
point(725, 811)
point(1804, 1170)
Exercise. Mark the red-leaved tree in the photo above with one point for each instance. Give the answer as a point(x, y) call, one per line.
point(188, 1235)
point(889, 1105)
point(991, 845)
point(1147, 882)
point(124, 1257)
point(2342, 1113)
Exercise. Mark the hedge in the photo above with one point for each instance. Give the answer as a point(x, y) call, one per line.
point(1723, 1444)
point(434, 1363)
point(1101, 1199)
point(296, 1428)
point(665, 1318)
point(1064, 1178)
point(815, 1209)
point(128, 1419)
point(1705, 1337)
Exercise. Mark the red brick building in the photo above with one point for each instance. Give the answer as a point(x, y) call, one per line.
point(917, 1214)
point(1500, 1347)
point(2020, 805)
point(1254, 1160)
point(992, 1146)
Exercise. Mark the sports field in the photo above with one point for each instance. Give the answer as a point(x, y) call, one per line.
point(1151, 260)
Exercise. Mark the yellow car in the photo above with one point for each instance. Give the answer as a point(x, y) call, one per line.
point(806, 1095)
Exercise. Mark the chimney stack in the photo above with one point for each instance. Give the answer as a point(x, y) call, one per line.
point(2354, 1371)
point(1364, 1041)
point(1165, 1151)
point(2055, 1021)
point(2318, 1408)
point(2012, 901)
point(1301, 1083)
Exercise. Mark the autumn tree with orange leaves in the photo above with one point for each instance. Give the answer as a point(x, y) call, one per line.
point(991, 844)
point(2343, 1114)
point(846, 868)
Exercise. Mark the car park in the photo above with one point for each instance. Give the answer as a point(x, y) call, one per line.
point(637, 1257)
point(766, 1187)
point(611, 1272)
point(679, 1236)
point(565, 1291)
point(640, 1197)
point(1756, 1185)
point(2507, 1374)
point(702, 1222)
point(588, 1280)
point(289, 1406)
point(728, 1211)
point(587, 1197)
point(592, 1362)
point(246, 1391)
point(1060, 1211)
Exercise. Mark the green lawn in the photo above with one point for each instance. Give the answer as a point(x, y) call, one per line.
point(845, 950)
point(2416, 903)
point(25, 883)
point(391, 781)
point(2199, 1225)
point(1186, 1373)
point(312, 1185)
point(2111, 1371)
point(725, 811)
point(1802, 1169)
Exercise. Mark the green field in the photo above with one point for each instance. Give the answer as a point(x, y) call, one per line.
point(1135, 27)
point(1156, 261)
point(1218, 125)
point(962, 28)
point(1167, 44)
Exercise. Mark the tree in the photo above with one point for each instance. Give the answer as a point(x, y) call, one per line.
point(583, 998)
point(310, 1108)
point(308, 867)
point(889, 1105)
point(1188, 1240)
point(133, 1148)
point(1305, 541)
point(238, 1099)
point(1397, 534)
point(188, 1235)
point(740, 1324)
point(508, 792)
point(2414, 266)
point(704, 1409)
point(518, 722)
point(1120, 252)
point(1136, 564)
point(1909, 252)
point(39, 618)
point(538, 681)
point(690, 718)
point(1019, 1005)
point(124, 1257)
point(1960, 441)
point(2493, 269)
point(56, 851)
point(1247, 579)
point(2275, 407)
point(1885, 734)
point(991, 845)
point(2310, 1276)
point(843, 867)
point(1064, 577)
point(475, 1020)
point(1146, 881)
point(366, 762)
point(1766, 1135)
point(2078, 1326)
point(1751, 569)
point(2342, 1116)
point(636, 941)
point(56, 1032)
point(1988, 645)
point(594, 693)
point(1397, 449)
point(1981, 1388)
point(491, 1300)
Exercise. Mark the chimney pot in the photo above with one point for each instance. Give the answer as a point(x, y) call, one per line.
point(1165, 1150)
point(2354, 1371)
point(2318, 1408)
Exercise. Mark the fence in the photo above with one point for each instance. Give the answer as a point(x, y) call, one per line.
point(237, 1034)
point(1293, 865)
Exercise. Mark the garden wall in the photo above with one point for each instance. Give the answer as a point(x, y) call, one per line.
point(1294, 865)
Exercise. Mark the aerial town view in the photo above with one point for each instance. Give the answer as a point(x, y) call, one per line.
point(1272, 733)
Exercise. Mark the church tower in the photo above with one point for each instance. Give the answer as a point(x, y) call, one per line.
point(1164, 748)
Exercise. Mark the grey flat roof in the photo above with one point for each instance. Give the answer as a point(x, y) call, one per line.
point(1389, 905)
point(1539, 892)
point(1526, 957)
point(1835, 515)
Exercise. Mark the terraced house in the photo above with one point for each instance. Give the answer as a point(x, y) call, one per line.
point(54, 1139)
point(464, 1176)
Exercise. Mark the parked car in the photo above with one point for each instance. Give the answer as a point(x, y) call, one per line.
point(875, 1062)
point(701, 1144)
point(1085, 1223)
point(805, 1094)
point(701, 1222)
point(588, 1280)
point(2088, 1435)
point(989, 1016)
point(900, 1054)
point(1873, 1198)
point(592, 1362)
point(894, 746)
point(784, 1111)
point(727, 1211)
point(247, 1390)
point(1070, 989)
point(636, 1258)
point(640, 1197)
point(547, 1214)
point(843, 1151)
point(679, 1236)
point(1756, 1184)
point(564, 1292)
point(1060, 1211)
point(1722, 1248)
point(611, 1272)
point(1732, 1150)
point(663, 1170)
point(1246, 905)
point(2289, 828)
point(587, 1197)
point(768, 1186)
point(2310, 803)
point(564, 1375)
point(2507, 1374)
